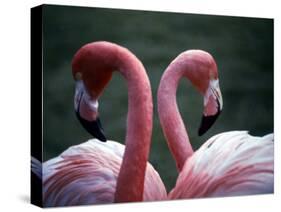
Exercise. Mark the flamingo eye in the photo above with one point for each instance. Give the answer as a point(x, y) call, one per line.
point(211, 75)
point(78, 76)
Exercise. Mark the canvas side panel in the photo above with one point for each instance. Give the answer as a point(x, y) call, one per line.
point(36, 105)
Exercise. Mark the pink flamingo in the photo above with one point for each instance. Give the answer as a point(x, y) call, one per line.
point(94, 172)
point(230, 163)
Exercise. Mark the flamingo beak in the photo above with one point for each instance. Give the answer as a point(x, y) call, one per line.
point(86, 112)
point(93, 127)
point(213, 105)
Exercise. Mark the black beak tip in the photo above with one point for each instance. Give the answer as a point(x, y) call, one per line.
point(201, 131)
point(100, 136)
point(206, 123)
point(93, 127)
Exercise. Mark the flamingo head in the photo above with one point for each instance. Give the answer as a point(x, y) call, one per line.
point(213, 105)
point(91, 76)
point(203, 73)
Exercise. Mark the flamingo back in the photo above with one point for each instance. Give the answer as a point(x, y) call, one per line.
point(228, 164)
point(87, 174)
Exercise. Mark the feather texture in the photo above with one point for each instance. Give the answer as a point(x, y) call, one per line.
point(87, 174)
point(228, 164)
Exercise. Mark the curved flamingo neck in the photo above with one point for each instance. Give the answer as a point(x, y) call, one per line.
point(130, 183)
point(97, 61)
point(169, 115)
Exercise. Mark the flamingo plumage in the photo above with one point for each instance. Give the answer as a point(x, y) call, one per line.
point(228, 164)
point(95, 172)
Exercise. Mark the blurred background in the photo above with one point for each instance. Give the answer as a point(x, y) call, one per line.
point(242, 48)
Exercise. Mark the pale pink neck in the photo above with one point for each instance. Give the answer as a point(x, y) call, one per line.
point(170, 118)
point(130, 183)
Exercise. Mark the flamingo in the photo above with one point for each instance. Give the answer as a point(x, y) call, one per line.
point(100, 170)
point(227, 164)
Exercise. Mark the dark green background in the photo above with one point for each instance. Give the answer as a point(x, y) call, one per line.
point(242, 48)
